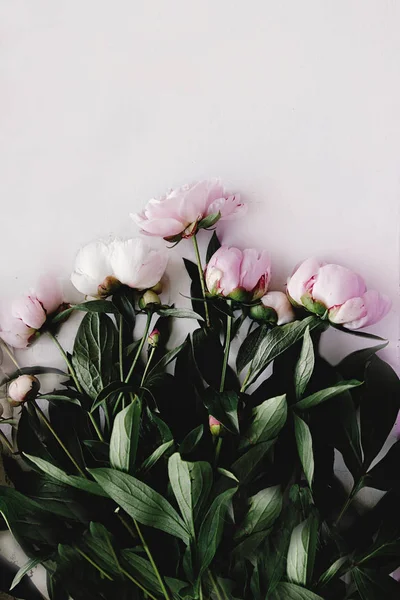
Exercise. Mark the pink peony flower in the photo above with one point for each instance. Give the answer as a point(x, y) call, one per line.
point(22, 389)
point(274, 308)
point(338, 293)
point(179, 212)
point(240, 275)
point(28, 313)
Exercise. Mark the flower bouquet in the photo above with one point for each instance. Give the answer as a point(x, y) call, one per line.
point(205, 470)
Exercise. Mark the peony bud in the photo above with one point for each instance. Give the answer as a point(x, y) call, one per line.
point(154, 338)
point(274, 308)
point(215, 426)
point(148, 298)
point(22, 389)
point(336, 293)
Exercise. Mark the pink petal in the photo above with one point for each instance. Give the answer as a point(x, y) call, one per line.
point(230, 208)
point(281, 305)
point(334, 285)
point(193, 203)
point(255, 265)
point(377, 306)
point(161, 227)
point(49, 293)
point(30, 311)
point(227, 261)
point(298, 283)
point(351, 310)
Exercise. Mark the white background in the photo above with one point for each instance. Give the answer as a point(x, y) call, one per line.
point(294, 104)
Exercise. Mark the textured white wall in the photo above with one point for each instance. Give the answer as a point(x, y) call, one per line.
point(295, 104)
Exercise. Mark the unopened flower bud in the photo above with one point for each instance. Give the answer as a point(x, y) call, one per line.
point(263, 314)
point(148, 297)
point(274, 308)
point(108, 287)
point(22, 389)
point(215, 426)
point(154, 338)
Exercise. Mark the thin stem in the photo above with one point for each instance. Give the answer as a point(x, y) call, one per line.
point(126, 525)
point(10, 354)
point(95, 565)
point(246, 379)
point(202, 282)
point(121, 348)
point(4, 439)
point(67, 362)
point(217, 451)
point(96, 427)
point(136, 582)
point(147, 365)
point(226, 350)
point(215, 585)
point(201, 597)
point(50, 428)
point(139, 350)
point(151, 559)
point(356, 488)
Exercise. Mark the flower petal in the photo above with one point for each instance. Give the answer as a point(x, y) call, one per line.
point(299, 283)
point(49, 293)
point(281, 305)
point(30, 311)
point(376, 305)
point(334, 285)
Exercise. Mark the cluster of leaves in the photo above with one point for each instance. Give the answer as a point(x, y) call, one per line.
point(123, 491)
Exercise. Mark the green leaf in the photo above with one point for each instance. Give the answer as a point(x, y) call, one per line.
point(326, 394)
point(125, 437)
point(62, 396)
point(115, 387)
point(124, 301)
point(209, 221)
point(277, 341)
point(353, 365)
point(155, 456)
point(304, 447)
point(249, 346)
point(211, 529)
point(290, 591)
point(202, 479)
point(179, 477)
point(301, 553)
point(385, 474)
point(97, 306)
point(179, 313)
point(223, 407)
point(379, 406)
point(251, 461)
point(269, 418)
point(93, 354)
point(213, 245)
point(372, 585)
point(264, 508)
point(141, 502)
point(99, 543)
point(191, 440)
point(332, 571)
point(28, 566)
point(141, 569)
point(305, 365)
point(32, 371)
point(72, 480)
point(159, 367)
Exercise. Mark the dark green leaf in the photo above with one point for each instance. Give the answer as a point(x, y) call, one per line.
point(301, 553)
point(159, 367)
point(141, 502)
point(32, 371)
point(264, 508)
point(249, 347)
point(190, 442)
point(385, 474)
point(201, 475)
point(305, 365)
point(277, 341)
point(209, 221)
point(304, 447)
point(212, 527)
point(180, 313)
point(247, 465)
point(99, 545)
point(179, 477)
point(115, 387)
point(353, 365)
point(124, 301)
point(125, 437)
point(371, 585)
point(290, 591)
point(223, 407)
point(213, 246)
point(332, 571)
point(72, 480)
point(269, 418)
point(155, 456)
point(327, 394)
point(28, 566)
point(62, 396)
point(97, 306)
point(93, 355)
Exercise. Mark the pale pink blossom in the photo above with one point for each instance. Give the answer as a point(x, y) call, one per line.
point(29, 313)
point(22, 389)
point(238, 274)
point(279, 302)
point(336, 293)
point(182, 209)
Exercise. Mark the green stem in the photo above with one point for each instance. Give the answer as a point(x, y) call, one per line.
point(226, 350)
point(95, 565)
point(147, 365)
point(217, 451)
point(356, 488)
point(67, 362)
point(246, 379)
point(4, 439)
point(136, 582)
point(50, 428)
point(202, 282)
point(215, 585)
point(10, 354)
point(151, 559)
point(96, 427)
point(121, 348)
